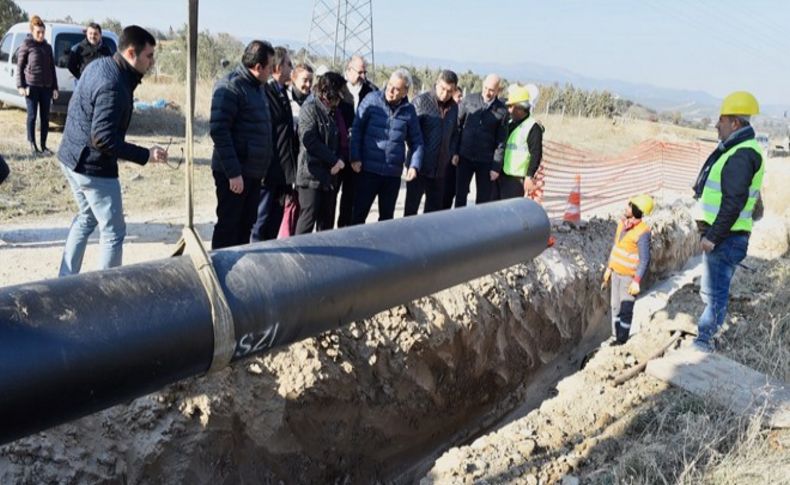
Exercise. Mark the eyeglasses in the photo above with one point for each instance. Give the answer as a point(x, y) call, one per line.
point(180, 159)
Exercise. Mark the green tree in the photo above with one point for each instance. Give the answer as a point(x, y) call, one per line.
point(10, 14)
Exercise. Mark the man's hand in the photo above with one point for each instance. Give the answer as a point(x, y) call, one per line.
point(55, 94)
point(529, 185)
point(411, 174)
point(337, 167)
point(606, 277)
point(236, 184)
point(23, 91)
point(455, 160)
point(494, 175)
point(157, 154)
point(356, 166)
point(706, 245)
point(633, 288)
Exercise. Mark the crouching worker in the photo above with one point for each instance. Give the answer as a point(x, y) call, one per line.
point(628, 263)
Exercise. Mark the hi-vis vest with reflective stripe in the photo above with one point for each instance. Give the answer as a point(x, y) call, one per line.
point(624, 259)
point(517, 156)
point(710, 202)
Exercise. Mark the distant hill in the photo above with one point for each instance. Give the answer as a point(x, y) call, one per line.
point(692, 104)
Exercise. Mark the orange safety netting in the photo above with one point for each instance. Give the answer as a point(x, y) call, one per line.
point(650, 167)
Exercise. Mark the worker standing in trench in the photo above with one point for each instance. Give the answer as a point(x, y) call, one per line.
point(726, 190)
point(628, 263)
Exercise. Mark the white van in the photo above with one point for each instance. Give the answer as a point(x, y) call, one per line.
point(62, 37)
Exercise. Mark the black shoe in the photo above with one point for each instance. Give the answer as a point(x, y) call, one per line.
point(34, 149)
point(46, 151)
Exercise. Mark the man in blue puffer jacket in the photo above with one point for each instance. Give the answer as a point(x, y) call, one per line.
point(384, 123)
point(94, 139)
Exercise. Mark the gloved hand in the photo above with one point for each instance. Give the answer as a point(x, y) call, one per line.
point(606, 277)
point(633, 288)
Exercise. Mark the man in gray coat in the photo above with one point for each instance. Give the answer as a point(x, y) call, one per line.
point(241, 129)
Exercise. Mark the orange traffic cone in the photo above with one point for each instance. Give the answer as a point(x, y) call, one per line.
point(573, 213)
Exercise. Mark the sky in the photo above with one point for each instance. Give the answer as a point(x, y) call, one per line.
point(715, 46)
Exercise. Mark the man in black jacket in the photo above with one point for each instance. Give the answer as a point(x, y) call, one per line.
point(87, 51)
point(482, 122)
point(241, 129)
point(727, 190)
point(281, 176)
point(438, 114)
point(356, 89)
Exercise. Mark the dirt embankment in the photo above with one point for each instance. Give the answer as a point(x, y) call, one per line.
point(367, 402)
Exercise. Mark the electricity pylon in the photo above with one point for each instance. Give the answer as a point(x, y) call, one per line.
point(340, 29)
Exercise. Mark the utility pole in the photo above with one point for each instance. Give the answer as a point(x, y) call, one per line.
point(340, 29)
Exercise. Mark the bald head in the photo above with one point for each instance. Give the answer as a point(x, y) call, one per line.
point(356, 70)
point(491, 87)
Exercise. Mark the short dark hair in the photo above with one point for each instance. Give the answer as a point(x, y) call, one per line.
point(137, 37)
point(257, 52)
point(449, 77)
point(280, 53)
point(330, 86)
point(94, 25)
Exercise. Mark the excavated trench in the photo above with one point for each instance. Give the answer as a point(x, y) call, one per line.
point(377, 400)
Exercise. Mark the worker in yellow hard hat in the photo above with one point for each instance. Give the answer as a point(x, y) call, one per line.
point(727, 190)
point(627, 265)
point(521, 169)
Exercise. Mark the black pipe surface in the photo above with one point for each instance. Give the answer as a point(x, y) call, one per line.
point(73, 346)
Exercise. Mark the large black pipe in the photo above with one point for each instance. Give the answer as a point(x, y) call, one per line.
point(76, 345)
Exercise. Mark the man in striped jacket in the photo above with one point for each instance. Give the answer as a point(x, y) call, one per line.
point(628, 263)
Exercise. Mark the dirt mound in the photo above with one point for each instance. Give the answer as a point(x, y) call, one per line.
point(367, 402)
point(645, 431)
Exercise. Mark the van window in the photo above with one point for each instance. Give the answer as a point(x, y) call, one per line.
point(65, 41)
point(20, 37)
point(63, 44)
point(5, 48)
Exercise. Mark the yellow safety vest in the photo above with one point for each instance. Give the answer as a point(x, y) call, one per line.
point(710, 202)
point(624, 259)
point(517, 155)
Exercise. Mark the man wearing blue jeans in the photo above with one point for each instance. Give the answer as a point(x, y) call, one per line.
point(726, 190)
point(94, 139)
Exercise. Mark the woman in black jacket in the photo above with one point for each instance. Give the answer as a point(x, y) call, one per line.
point(319, 155)
point(37, 82)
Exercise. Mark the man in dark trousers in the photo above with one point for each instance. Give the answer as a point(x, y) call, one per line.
point(281, 176)
point(384, 123)
point(87, 51)
point(482, 121)
point(241, 129)
point(438, 114)
point(354, 92)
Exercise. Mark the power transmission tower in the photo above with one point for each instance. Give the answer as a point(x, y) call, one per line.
point(340, 29)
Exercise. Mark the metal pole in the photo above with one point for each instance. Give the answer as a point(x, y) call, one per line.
point(73, 346)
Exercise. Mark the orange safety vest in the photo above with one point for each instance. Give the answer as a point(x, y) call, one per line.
point(624, 259)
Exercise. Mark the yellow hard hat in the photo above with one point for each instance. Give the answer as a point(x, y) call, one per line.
point(740, 103)
point(643, 202)
point(517, 94)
